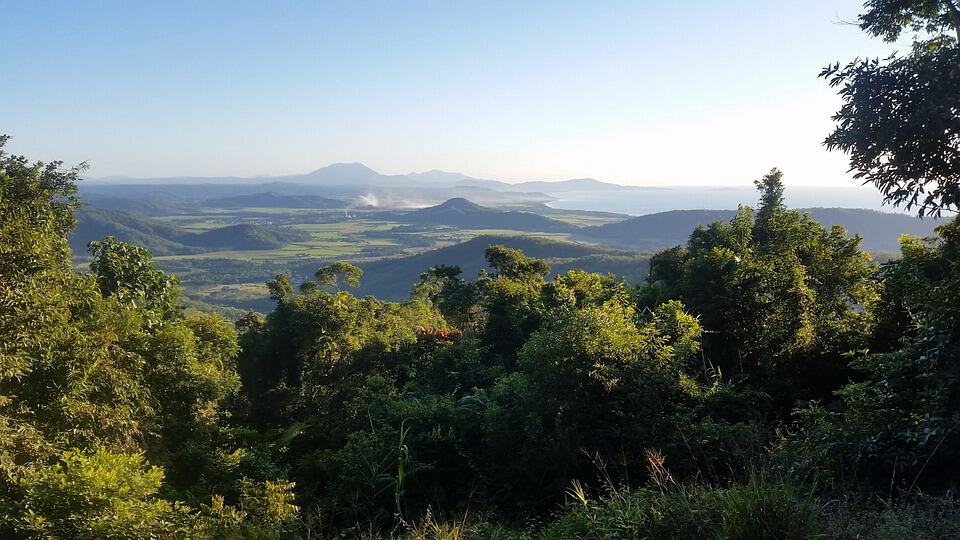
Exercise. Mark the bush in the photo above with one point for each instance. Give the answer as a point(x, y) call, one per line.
point(97, 495)
point(762, 508)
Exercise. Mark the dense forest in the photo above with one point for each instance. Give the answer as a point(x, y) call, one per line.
point(767, 379)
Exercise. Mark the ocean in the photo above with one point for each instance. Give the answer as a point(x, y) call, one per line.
point(650, 200)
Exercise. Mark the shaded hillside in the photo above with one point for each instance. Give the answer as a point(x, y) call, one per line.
point(393, 278)
point(461, 213)
point(880, 230)
point(633, 267)
point(165, 239)
point(656, 231)
point(246, 237)
point(159, 204)
point(274, 200)
point(160, 238)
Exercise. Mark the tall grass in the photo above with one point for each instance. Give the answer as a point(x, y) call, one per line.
point(765, 507)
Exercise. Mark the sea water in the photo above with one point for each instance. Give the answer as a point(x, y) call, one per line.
point(650, 200)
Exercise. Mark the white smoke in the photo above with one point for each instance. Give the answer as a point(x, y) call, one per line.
point(366, 200)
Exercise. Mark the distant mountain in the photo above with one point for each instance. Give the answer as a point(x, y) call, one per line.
point(441, 177)
point(393, 278)
point(495, 185)
point(183, 198)
point(164, 239)
point(358, 174)
point(274, 200)
point(880, 230)
point(577, 184)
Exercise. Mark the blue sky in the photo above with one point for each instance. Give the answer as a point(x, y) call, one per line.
point(679, 93)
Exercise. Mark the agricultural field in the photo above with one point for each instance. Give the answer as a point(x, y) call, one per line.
point(300, 240)
point(224, 255)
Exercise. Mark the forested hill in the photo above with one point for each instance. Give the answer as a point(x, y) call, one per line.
point(165, 239)
point(537, 404)
point(392, 279)
point(880, 230)
point(160, 238)
point(461, 213)
point(245, 236)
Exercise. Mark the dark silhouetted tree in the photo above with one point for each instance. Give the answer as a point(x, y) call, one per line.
point(900, 118)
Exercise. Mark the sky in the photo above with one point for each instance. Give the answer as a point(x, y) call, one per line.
point(693, 92)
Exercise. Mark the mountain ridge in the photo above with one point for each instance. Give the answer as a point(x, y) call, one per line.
point(880, 230)
point(358, 174)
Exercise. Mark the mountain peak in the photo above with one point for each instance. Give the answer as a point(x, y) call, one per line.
point(436, 176)
point(458, 203)
point(343, 168)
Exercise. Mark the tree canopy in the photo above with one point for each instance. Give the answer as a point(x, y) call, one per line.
point(900, 118)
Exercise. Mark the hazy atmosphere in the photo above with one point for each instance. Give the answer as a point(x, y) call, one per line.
point(641, 93)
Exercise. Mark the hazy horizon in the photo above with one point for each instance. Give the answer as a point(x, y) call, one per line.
point(746, 184)
point(637, 94)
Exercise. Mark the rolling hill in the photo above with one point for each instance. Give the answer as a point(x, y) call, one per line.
point(880, 230)
point(393, 278)
point(245, 237)
point(160, 238)
point(461, 213)
point(164, 239)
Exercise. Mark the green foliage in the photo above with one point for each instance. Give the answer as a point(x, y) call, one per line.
point(98, 495)
point(163, 238)
point(761, 508)
point(265, 511)
point(122, 417)
point(535, 373)
point(159, 237)
point(899, 121)
point(454, 298)
point(900, 126)
point(280, 287)
point(513, 264)
point(338, 274)
point(100, 372)
point(887, 19)
point(781, 297)
point(897, 426)
point(771, 190)
point(127, 272)
point(104, 494)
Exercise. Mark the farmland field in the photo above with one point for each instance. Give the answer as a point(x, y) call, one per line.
point(236, 276)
